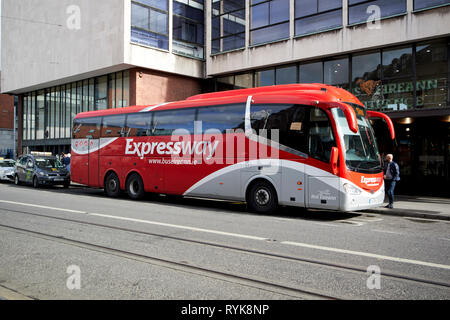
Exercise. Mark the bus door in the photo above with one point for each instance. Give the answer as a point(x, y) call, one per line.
point(93, 160)
point(323, 187)
point(85, 145)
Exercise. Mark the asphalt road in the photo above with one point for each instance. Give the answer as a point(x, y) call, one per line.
point(79, 244)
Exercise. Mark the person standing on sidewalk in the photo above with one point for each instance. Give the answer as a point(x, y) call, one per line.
point(391, 177)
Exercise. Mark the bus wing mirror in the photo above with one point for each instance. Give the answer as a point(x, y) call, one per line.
point(334, 160)
point(374, 114)
point(350, 115)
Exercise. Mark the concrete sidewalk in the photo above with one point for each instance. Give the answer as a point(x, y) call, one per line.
point(417, 207)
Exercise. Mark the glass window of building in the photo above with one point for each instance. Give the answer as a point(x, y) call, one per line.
point(101, 96)
point(33, 117)
point(317, 15)
point(311, 72)
point(269, 21)
point(149, 23)
point(423, 4)
point(68, 112)
point(25, 117)
point(398, 82)
point(188, 28)
point(40, 121)
point(265, 78)
point(228, 25)
point(336, 73)
point(359, 11)
point(432, 76)
point(397, 62)
point(243, 81)
point(50, 125)
point(79, 97)
point(58, 108)
point(366, 79)
point(225, 83)
point(286, 75)
point(111, 90)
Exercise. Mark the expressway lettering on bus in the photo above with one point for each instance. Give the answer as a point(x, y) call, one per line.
point(142, 149)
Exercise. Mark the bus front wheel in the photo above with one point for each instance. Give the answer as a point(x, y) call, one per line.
point(112, 185)
point(262, 198)
point(135, 187)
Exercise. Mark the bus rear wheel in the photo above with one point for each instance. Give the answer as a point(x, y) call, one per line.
point(112, 185)
point(262, 198)
point(135, 187)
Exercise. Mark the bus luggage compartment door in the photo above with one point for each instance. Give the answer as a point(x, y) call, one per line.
point(323, 193)
point(293, 186)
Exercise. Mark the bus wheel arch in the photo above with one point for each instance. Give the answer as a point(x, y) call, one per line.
point(111, 184)
point(261, 196)
point(135, 186)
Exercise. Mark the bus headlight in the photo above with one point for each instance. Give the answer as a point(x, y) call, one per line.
point(351, 189)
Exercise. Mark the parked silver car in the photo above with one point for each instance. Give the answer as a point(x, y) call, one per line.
point(7, 170)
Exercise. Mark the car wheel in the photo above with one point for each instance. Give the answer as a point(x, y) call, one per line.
point(135, 187)
point(262, 198)
point(35, 183)
point(16, 180)
point(66, 185)
point(112, 185)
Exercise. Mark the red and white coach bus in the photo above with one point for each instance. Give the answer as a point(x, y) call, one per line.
point(305, 145)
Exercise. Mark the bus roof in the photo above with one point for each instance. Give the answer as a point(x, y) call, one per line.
point(306, 92)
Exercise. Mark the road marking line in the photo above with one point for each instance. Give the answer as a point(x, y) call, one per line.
point(390, 232)
point(42, 207)
point(180, 227)
point(370, 255)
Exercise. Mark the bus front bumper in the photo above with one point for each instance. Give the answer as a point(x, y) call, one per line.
point(364, 200)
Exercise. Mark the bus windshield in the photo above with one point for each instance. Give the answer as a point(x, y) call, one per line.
point(361, 151)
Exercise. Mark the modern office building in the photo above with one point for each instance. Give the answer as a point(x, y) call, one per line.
point(63, 57)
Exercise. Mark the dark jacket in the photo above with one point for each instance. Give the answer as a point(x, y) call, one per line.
point(395, 170)
point(66, 161)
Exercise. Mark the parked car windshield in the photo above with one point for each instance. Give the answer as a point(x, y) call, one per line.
point(48, 163)
point(7, 164)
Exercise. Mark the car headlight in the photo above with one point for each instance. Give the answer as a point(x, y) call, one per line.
point(350, 189)
point(41, 173)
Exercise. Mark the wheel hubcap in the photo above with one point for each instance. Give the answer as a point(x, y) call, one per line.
point(112, 185)
point(134, 187)
point(262, 197)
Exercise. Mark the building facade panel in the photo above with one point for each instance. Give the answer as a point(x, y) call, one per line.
point(51, 40)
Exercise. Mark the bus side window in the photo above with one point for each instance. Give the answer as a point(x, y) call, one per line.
point(321, 137)
point(289, 120)
point(87, 128)
point(138, 125)
point(222, 118)
point(113, 126)
point(166, 122)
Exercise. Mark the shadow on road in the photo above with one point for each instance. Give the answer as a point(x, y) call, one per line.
point(197, 203)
